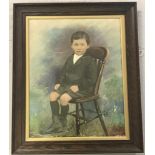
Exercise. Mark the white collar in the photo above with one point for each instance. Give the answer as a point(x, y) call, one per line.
point(76, 57)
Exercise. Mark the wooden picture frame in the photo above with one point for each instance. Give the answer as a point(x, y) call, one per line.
point(134, 140)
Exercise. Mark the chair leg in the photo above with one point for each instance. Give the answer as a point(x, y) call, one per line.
point(77, 120)
point(83, 113)
point(100, 117)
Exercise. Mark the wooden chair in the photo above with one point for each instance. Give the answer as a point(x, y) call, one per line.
point(100, 54)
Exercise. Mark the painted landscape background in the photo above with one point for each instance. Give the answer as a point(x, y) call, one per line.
point(49, 46)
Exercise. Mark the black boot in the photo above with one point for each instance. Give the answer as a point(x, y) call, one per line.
point(56, 125)
point(63, 116)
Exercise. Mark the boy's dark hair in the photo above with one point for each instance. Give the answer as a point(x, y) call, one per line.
point(80, 35)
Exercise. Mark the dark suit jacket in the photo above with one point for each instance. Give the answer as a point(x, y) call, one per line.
point(83, 73)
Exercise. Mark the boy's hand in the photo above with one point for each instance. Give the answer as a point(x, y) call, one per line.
point(74, 88)
point(56, 86)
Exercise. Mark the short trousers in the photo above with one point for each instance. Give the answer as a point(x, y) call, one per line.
point(66, 89)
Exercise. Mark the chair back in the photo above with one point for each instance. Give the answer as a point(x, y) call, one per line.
point(100, 54)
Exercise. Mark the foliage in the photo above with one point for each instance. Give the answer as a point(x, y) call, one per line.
point(113, 89)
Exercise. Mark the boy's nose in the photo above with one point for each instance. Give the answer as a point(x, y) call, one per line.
point(79, 47)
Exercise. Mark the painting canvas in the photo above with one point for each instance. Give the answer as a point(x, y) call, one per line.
point(48, 45)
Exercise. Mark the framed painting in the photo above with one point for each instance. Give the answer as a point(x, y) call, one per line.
point(76, 85)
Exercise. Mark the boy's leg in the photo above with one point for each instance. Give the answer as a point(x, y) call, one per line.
point(63, 115)
point(54, 103)
point(56, 125)
point(54, 96)
point(64, 101)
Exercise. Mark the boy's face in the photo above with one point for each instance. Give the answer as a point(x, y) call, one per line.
point(79, 46)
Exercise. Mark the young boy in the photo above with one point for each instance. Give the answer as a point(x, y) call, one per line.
point(77, 80)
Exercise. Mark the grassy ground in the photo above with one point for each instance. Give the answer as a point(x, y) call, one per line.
point(94, 128)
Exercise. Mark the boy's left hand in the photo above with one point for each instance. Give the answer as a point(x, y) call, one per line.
point(74, 88)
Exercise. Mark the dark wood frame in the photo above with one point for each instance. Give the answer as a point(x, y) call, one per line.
point(19, 145)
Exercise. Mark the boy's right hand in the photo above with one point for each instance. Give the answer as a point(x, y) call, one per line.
point(74, 88)
point(56, 86)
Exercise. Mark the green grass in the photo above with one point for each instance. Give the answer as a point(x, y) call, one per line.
point(114, 124)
